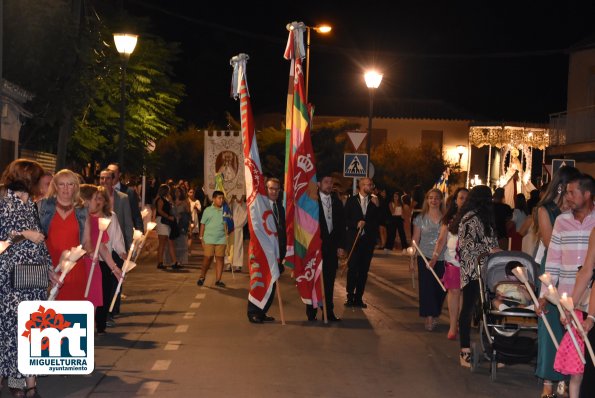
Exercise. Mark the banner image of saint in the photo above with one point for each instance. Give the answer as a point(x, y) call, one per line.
point(224, 155)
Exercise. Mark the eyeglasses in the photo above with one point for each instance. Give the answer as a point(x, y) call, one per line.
point(65, 184)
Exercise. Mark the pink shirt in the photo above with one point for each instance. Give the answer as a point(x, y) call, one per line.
point(567, 250)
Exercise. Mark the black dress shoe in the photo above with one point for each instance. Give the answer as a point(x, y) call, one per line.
point(312, 318)
point(349, 303)
point(360, 303)
point(333, 318)
point(255, 319)
point(267, 318)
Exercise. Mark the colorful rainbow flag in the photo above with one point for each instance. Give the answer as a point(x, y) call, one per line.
point(264, 246)
point(303, 230)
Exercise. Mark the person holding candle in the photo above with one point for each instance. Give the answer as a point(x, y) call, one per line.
point(548, 209)
point(107, 271)
point(583, 280)
point(19, 185)
point(63, 218)
point(476, 232)
point(567, 249)
point(452, 272)
point(426, 229)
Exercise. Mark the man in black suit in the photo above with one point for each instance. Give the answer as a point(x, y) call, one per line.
point(137, 219)
point(273, 187)
point(332, 231)
point(361, 214)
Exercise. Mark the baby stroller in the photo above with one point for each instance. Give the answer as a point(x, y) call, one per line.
point(508, 324)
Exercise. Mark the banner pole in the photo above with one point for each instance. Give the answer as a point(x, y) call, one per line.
point(324, 309)
point(281, 313)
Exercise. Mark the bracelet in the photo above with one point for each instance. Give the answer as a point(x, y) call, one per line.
point(591, 317)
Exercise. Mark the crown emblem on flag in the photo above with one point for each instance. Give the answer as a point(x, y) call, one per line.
point(305, 163)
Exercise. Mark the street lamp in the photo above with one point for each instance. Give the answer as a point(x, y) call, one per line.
point(373, 79)
point(460, 151)
point(125, 44)
point(323, 29)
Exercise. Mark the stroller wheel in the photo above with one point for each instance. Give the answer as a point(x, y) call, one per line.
point(475, 357)
point(493, 369)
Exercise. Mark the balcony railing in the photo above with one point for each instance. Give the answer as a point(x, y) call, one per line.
point(572, 127)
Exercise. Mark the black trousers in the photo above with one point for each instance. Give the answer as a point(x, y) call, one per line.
point(431, 295)
point(470, 297)
point(358, 267)
point(108, 292)
point(330, 263)
point(396, 224)
point(253, 310)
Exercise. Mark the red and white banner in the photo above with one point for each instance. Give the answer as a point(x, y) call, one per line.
point(264, 246)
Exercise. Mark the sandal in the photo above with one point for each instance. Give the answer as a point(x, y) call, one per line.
point(465, 359)
point(200, 281)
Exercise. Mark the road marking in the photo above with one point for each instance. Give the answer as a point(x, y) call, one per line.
point(194, 305)
point(181, 329)
point(172, 345)
point(148, 388)
point(161, 364)
point(189, 315)
point(200, 296)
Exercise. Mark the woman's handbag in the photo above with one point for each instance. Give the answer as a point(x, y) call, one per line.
point(30, 276)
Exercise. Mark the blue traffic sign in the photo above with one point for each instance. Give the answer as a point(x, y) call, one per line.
point(355, 165)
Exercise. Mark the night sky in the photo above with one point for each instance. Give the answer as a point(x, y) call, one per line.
point(505, 60)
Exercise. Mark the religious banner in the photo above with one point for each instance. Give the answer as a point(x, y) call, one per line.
point(304, 246)
point(263, 251)
point(224, 155)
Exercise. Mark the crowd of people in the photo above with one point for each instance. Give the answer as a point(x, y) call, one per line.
point(44, 214)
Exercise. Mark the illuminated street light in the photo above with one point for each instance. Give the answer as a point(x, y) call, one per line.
point(322, 29)
point(460, 151)
point(373, 79)
point(125, 44)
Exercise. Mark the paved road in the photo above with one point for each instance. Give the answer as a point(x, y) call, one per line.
point(177, 339)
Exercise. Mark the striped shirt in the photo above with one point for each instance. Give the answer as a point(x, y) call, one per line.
point(567, 250)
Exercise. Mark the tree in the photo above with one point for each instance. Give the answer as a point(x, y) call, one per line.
point(401, 166)
point(180, 155)
point(74, 71)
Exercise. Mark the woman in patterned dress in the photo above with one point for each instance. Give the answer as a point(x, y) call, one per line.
point(476, 231)
point(18, 214)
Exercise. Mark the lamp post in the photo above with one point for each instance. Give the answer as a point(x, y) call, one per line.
point(125, 44)
point(373, 79)
point(323, 29)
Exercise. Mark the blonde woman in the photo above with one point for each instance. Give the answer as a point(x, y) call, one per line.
point(426, 229)
point(63, 218)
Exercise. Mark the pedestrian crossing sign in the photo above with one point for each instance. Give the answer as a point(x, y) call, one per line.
point(355, 165)
point(557, 163)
